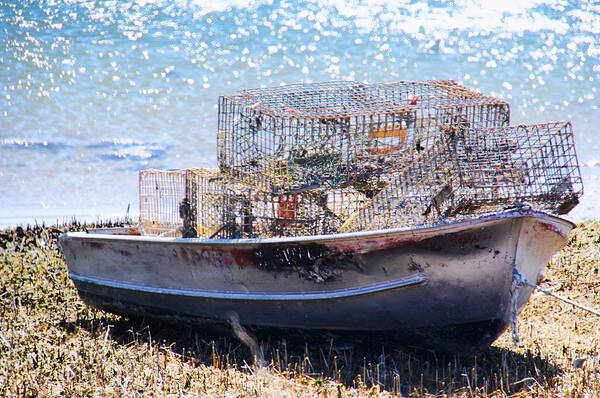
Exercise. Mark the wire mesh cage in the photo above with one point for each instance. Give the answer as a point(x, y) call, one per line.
point(208, 204)
point(160, 193)
point(474, 171)
point(327, 135)
point(180, 202)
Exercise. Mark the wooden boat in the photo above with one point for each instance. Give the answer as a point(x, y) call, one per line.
point(446, 286)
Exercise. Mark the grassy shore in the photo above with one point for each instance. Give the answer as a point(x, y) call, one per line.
point(51, 344)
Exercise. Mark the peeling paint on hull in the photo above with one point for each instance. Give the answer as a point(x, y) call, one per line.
point(426, 282)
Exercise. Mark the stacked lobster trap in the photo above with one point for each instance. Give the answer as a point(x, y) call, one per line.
point(345, 156)
point(336, 134)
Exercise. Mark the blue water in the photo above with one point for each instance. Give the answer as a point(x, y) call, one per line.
point(91, 92)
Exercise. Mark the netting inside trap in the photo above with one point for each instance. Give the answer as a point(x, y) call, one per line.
point(327, 135)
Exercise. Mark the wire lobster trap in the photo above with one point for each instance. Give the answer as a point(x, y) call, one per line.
point(533, 163)
point(338, 134)
point(180, 202)
point(475, 171)
point(205, 203)
point(160, 193)
point(313, 212)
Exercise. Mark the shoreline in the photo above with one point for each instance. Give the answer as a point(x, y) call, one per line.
point(100, 218)
point(8, 222)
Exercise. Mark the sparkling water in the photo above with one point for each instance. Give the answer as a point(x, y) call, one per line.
point(91, 92)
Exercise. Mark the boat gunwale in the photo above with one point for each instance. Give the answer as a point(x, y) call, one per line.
point(524, 211)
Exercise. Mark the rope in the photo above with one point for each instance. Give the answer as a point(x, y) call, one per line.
point(524, 280)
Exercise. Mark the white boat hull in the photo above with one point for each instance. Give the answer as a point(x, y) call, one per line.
point(449, 284)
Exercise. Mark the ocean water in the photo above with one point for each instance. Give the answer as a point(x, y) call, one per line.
point(91, 92)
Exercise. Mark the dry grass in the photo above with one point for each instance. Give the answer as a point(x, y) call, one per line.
point(51, 344)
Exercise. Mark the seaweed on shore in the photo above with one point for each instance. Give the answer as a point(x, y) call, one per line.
point(41, 236)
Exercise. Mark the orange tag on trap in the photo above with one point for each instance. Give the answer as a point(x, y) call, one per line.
point(388, 131)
